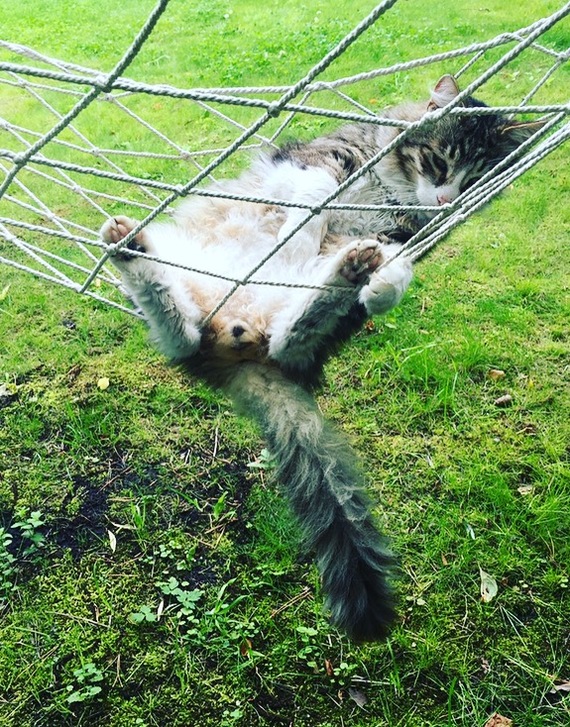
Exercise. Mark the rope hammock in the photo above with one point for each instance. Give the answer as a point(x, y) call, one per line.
point(60, 184)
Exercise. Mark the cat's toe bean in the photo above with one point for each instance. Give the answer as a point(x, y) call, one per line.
point(123, 229)
point(368, 253)
point(360, 261)
point(375, 261)
point(117, 228)
point(110, 232)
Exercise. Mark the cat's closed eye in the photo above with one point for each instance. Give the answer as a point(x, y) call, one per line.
point(475, 172)
point(434, 166)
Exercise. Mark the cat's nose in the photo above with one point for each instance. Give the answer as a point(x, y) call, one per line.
point(444, 199)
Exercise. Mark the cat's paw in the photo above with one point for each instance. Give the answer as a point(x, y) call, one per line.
point(360, 260)
point(116, 229)
point(387, 286)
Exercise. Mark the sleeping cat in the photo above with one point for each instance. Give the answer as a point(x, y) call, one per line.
point(267, 344)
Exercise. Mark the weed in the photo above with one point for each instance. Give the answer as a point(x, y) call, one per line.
point(7, 564)
point(29, 532)
point(87, 684)
point(19, 544)
point(144, 615)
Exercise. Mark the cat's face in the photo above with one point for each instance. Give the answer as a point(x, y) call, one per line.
point(444, 159)
point(442, 170)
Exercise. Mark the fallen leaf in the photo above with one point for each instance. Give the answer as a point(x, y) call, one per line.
point(489, 588)
point(562, 687)
point(495, 374)
point(103, 383)
point(525, 490)
point(358, 696)
point(112, 540)
point(160, 609)
point(485, 666)
point(528, 429)
point(329, 668)
point(505, 400)
point(497, 720)
point(245, 648)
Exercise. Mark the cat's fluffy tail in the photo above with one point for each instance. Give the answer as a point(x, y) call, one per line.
point(326, 491)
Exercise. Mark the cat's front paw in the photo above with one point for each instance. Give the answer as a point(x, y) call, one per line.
point(116, 229)
point(360, 260)
point(387, 286)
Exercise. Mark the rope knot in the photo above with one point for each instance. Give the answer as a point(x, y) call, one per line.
point(273, 110)
point(102, 82)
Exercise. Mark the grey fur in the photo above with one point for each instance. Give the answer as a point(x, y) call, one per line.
point(326, 492)
point(447, 156)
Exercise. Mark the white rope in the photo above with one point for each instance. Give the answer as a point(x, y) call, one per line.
point(41, 154)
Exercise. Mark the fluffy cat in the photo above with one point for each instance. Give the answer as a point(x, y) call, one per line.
point(267, 345)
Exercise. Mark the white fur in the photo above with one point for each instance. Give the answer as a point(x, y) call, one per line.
point(430, 194)
point(211, 240)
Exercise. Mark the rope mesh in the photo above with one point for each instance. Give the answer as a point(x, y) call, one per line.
point(67, 173)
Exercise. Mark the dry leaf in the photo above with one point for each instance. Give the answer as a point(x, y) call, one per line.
point(562, 687)
point(112, 540)
point(497, 720)
point(329, 668)
point(489, 588)
point(357, 696)
point(245, 647)
point(505, 400)
point(495, 374)
point(525, 490)
point(529, 429)
point(103, 383)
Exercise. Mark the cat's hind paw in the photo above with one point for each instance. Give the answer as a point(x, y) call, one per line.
point(360, 260)
point(117, 228)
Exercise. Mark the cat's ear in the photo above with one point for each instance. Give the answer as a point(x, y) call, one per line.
point(446, 89)
point(514, 133)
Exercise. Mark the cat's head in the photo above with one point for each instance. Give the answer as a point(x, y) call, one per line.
point(446, 157)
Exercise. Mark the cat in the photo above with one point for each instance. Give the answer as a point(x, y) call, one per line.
point(267, 345)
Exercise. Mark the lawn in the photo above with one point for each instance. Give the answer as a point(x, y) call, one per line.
point(150, 572)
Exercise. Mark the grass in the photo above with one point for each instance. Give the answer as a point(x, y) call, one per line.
point(149, 569)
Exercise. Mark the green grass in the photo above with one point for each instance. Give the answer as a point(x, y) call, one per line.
point(149, 576)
